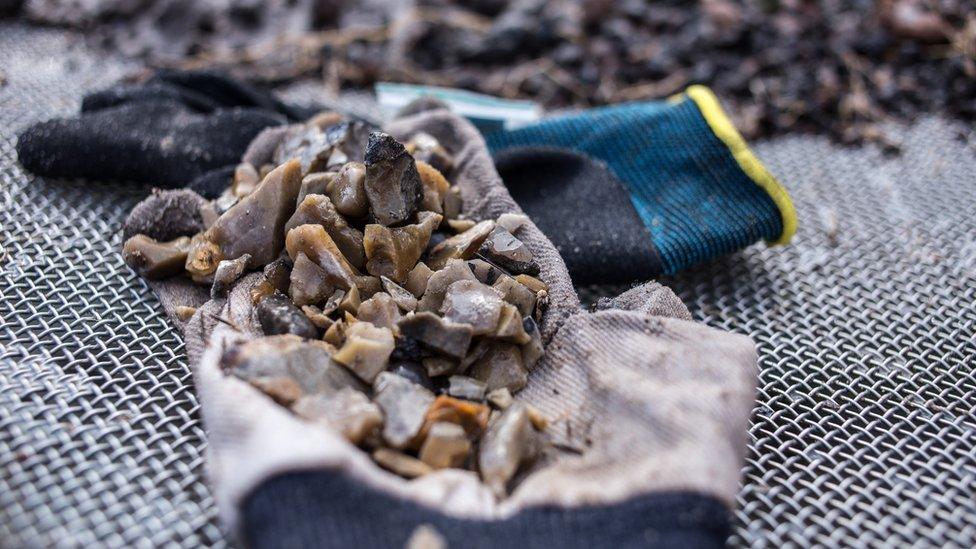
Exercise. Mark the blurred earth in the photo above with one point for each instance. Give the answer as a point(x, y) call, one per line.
point(838, 67)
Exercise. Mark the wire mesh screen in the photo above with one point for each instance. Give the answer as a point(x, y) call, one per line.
point(862, 433)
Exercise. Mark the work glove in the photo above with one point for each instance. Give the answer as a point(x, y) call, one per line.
point(633, 191)
point(647, 420)
point(626, 192)
point(176, 129)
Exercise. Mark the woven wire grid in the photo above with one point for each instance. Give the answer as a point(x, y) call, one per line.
point(864, 425)
point(100, 437)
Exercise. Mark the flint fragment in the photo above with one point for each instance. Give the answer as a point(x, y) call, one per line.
point(317, 209)
point(511, 327)
point(315, 242)
point(446, 445)
point(366, 350)
point(309, 284)
point(501, 366)
point(278, 315)
point(425, 148)
point(379, 310)
point(393, 252)
point(466, 387)
point(472, 416)
point(517, 294)
point(400, 463)
point(404, 406)
point(348, 192)
point(393, 186)
point(471, 302)
point(437, 334)
point(348, 411)
point(153, 259)
point(438, 283)
point(460, 246)
point(510, 442)
point(404, 299)
point(315, 183)
point(416, 282)
point(307, 363)
point(227, 273)
point(503, 249)
point(252, 226)
point(435, 187)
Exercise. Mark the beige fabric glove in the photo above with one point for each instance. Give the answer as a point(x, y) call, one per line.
point(648, 414)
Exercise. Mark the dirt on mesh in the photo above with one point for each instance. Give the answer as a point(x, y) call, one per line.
point(840, 67)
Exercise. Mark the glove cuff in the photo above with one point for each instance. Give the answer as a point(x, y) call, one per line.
point(695, 184)
point(330, 509)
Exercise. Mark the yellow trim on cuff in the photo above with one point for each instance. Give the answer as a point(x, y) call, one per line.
point(723, 128)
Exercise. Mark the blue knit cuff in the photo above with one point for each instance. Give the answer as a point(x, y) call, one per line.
point(692, 179)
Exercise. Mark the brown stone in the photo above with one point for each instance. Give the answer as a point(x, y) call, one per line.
point(460, 246)
point(154, 260)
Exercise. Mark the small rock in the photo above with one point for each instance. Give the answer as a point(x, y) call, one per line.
point(155, 260)
point(317, 209)
point(307, 363)
point(400, 463)
point(446, 445)
point(438, 283)
point(435, 187)
point(404, 299)
point(502, 248)
point(393, 252)
point(471, 302)
point(366, 350)
point(437, 366)
point(485, 272)
point(227, 273)
point(533, 350)
point(461, 225)
point(404, 406)
point(246, 179)
point(501, 398)
point(412, 371)
point(315, 242)
point(416, 282)
point(517, 294)
point(511, 327)
point(278, 315)
point(318, 318)
point(472, 416)
point(315, 183)
point(348, 411)
point(453, 203)
point(379, 310)
point(278, 274)
point(510, 442)
point(348, 192)
point(425, 148)
point(501, 366)
point(437, 334)
point(309, 284)
point(461, 246)
point(393, 186)
point(466, 387)
point(532, 283)
point(512, 222)
point(184, 312)
point(252, 226)
point(350, 301)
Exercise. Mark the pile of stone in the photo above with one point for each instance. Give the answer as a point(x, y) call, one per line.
point(387, 314)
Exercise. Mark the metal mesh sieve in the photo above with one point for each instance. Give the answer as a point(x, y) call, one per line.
point(866, 416)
